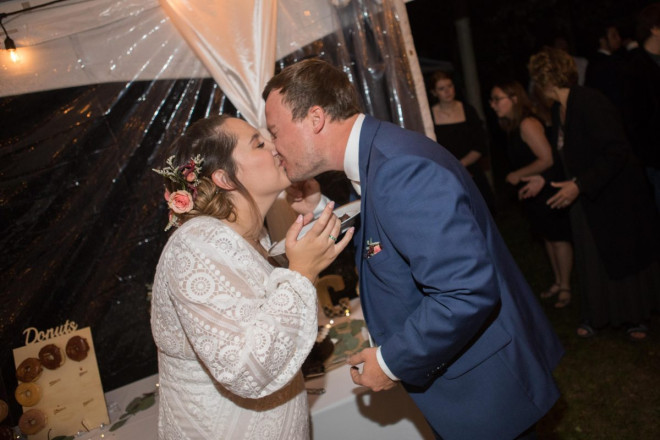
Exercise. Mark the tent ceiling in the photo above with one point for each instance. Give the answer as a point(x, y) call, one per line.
point(81, 42)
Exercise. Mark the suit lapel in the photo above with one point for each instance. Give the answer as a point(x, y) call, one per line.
point(367, 134)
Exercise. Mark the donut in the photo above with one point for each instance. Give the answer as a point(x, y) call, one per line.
point(29, 370)
point(28, 394)
point(4, 410)
point(77, 348)
point(32, 421)
point(51, 356)
point(6, 433)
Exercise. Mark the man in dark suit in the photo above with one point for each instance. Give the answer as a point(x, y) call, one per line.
point(451, 316)
point(605, 67)
point(641, 109)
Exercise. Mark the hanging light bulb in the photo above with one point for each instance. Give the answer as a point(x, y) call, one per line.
point(9, 43)
point(11, 47)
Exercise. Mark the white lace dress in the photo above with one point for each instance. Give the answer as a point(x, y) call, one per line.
point(232, 333)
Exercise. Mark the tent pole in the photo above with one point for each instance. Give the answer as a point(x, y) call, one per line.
point(468, 62)
point(416, 71)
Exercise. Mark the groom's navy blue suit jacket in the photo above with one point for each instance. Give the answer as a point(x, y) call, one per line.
point(453, 314)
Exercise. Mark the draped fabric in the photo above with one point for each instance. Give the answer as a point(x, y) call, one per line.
point(236, 42)
point(81, 213)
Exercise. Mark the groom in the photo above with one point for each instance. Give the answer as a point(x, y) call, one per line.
point(451, 315)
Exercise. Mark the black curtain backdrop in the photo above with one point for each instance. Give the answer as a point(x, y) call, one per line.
point(82, 215)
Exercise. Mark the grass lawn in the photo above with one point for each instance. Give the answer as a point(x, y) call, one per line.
point(610, 386)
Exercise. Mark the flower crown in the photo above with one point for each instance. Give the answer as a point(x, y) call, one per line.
point(187, 177)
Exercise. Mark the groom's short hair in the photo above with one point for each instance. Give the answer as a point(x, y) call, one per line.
point(315, 82)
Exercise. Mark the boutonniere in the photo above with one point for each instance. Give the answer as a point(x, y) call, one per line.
point(373, 247)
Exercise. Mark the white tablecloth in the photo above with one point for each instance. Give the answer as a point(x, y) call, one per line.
point(344, 411)
point(348, 411)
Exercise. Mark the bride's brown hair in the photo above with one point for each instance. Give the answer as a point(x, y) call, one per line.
point(215, 145)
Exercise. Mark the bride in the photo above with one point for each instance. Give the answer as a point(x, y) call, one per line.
point(233, 330)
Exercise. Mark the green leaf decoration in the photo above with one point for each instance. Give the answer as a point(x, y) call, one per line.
point(138, 404)
point(132, 407)
point(148, 400)
point(356, 326)
point(348, 340)
point(348, 336)
point(118, 425)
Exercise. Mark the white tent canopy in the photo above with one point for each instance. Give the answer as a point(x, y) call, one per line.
point(77, 42)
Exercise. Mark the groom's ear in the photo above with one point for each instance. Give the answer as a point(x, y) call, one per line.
point(317, 116)
point(220, 178)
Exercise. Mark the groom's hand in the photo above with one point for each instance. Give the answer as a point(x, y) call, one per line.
point(304, 196)
point(372, 376)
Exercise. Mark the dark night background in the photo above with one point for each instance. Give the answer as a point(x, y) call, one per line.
point(505, 33)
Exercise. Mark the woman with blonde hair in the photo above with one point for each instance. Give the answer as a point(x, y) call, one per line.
point(613, 218)
point(530, 154)
point(232, 329)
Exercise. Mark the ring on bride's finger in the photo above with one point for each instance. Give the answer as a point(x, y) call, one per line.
point(332, 237)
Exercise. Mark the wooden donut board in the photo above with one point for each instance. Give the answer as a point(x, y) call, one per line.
point(72, 395)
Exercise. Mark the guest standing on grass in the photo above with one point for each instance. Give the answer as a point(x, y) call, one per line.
point(459, 129)
point(530, 153)
point(613, 217)
point(641, 109)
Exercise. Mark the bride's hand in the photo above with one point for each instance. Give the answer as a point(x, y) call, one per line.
point(318, 247)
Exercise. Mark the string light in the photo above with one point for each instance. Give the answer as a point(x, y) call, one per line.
point(9, 43)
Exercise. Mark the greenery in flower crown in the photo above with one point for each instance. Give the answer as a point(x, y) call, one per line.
point(186, 177)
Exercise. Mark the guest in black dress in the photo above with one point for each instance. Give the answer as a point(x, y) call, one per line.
point(530, 154)
point(459, 129)
point(613, 218)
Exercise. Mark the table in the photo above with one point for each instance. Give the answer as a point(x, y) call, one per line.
point(345, 410)
point(142, 425)
point(349, 411)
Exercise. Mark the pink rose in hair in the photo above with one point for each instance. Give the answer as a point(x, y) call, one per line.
point(167, 195)
point(180, 202)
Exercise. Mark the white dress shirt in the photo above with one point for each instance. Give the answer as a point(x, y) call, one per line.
point(352, 155)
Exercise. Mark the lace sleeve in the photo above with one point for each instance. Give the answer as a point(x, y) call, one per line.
point(252, 327)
